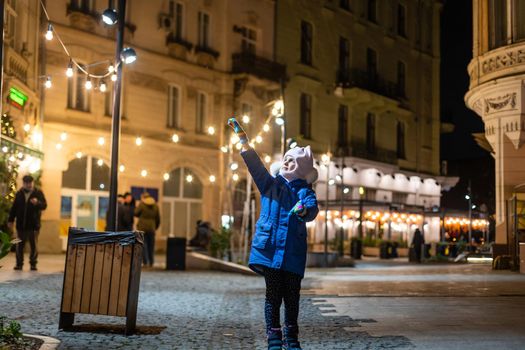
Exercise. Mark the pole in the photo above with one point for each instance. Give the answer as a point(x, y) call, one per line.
point(469, 215)
point(360, 217)
point(2, 11)
point(115, 127)
point(326, 217)
point(341, 229)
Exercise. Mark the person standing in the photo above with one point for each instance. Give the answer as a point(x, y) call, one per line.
point(417, 243)
point(27, 209)
point(128, 212)
point(148, 222)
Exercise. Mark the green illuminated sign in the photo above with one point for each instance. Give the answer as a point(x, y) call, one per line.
point(17, 96)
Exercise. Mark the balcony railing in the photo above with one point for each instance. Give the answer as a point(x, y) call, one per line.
point(360, 150)
point(258, 66)
point(173, 38)
point(369, 81)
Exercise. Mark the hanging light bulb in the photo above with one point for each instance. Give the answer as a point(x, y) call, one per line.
point(235, 177)
point(267, 159)
point(266, 127)
point(121, 168)
point(224, 149)
point(101, 141)
point(69, 70)
point(189, 178)
point(102, 87)
point(234, 166)
point(111, 68)
point(211, 130)
point(234, 139)
point(279, 121)
point(138, 141)
point(5, 149)
point(239, 146)
point(245, 119)
point(58, 146)
point(175, 138)
point(128, 55)
point(346, 190)
point(258, 139)
point(48, 83)
point(166, 176)
point(49, 33)
point(100, 162)
point(113, 77)
point(27, 127)
point(143, 173)
point(63, 136)
point(79, 155)
point(88, 85)
point(212, 178)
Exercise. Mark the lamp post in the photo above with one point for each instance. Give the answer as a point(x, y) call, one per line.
point(469, 198)
point(326, 161)
point(360, 228)
point(342, 229)
point(115, 120)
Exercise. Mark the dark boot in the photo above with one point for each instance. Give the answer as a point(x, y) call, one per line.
point(275, 339)
point(291, 338)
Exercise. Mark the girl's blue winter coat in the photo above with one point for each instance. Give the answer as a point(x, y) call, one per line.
point(280, 236)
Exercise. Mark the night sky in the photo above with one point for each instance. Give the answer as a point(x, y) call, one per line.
point(456, 53)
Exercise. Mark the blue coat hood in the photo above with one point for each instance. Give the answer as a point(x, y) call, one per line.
point(279, 241)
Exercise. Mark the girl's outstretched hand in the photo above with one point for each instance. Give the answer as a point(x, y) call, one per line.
point(237, 128)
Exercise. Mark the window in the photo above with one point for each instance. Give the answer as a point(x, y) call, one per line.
point(518, 21)
point(371, 63)
point(401, 74)
point(401, 21)
point(10, 23)
point(78, 97)
point(342, 139)
point(201, 109)
point(401, 140)
point(177, 16)
point(173, 107)
point(249, 41)
point(344, 58)
point(86, 6)
point(306, 116)
point(108, 102)
point(344, 4)
point(204, 30)
point(370, 133)
point(399, 197)
point(306, 43)
point(372, 11)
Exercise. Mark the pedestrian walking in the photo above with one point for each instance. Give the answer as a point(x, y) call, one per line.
point(26, 210)
point(148, 221)
point(279, 246)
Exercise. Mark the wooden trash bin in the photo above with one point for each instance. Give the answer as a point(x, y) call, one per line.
point(101, 276)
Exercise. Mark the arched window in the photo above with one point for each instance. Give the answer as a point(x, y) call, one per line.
point(181, 203)
point(84, 194)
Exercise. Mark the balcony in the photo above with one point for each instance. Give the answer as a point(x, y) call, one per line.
point(178, 47)
point(356, 78)
point(258, 66)
point(360, 150)
point(16, 65)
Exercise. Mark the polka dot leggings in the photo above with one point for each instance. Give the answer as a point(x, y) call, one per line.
point(281, 285)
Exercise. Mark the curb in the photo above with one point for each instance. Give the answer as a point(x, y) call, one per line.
point(49, 343)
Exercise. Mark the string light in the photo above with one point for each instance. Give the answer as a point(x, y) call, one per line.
point(266, 127)
point(331, 182)
point(224, 149)
point(212, 178)
point(211, 130)
point(102, 87)
point(245, 119)
point(189, 178)
point(49, 33)
point(267, 159)
point(48, 83)
point(235, 177)
point(166, 176)
point(234, 139)
point(258, 139)
point(346, 190)
point(88, 85)
point(113, 77)
point(27, 127)
point(101, 141)
point(234, 166)
point(79, 155)
point(143, 173)
point(239, 146)
point(279, 121)
point(138, 141)
point(175, 138)
point(63, 136)
point(100, 162)
point(69, 70)
point(58, 146)
point(111, 68)
point(121, 168)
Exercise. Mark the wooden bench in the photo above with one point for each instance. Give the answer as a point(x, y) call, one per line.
point(102, 279)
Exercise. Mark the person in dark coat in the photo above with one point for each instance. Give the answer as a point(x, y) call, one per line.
point(279, 244)
point(128, 212)
point(202, 235)
point(122, 215)
point(417, 242)
point(26, 210)
point(149, 221)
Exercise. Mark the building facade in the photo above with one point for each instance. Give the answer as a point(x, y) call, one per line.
point(199, 62)
point(363, 85)
point(496, 93)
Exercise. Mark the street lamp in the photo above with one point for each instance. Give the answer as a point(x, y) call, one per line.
point(468, 197)
point(110, 16)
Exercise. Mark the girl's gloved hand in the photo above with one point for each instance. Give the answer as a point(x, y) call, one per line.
point(238, 130)
point(299, 209)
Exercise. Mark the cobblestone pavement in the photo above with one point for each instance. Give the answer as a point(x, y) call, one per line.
point(211, 310)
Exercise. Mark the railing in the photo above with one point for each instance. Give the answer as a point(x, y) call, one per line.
point(360, 150)
point(16, 65)
point(369, 81)
point(172, 38)
point(258, 66)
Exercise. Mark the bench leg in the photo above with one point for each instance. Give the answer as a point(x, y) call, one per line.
point(131, 323)
point(66, 320)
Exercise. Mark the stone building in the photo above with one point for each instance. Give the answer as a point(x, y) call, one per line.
point(496, 93)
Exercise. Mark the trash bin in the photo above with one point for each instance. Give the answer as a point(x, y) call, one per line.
point(101, 275)
point(522, 257)
point(176, 254)
point(356, 248)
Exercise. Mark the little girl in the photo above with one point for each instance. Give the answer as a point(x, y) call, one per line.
point(279, 243)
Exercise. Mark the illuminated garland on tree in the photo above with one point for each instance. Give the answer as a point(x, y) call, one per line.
point(9, 164)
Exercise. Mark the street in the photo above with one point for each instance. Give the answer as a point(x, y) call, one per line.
point(376, 305)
